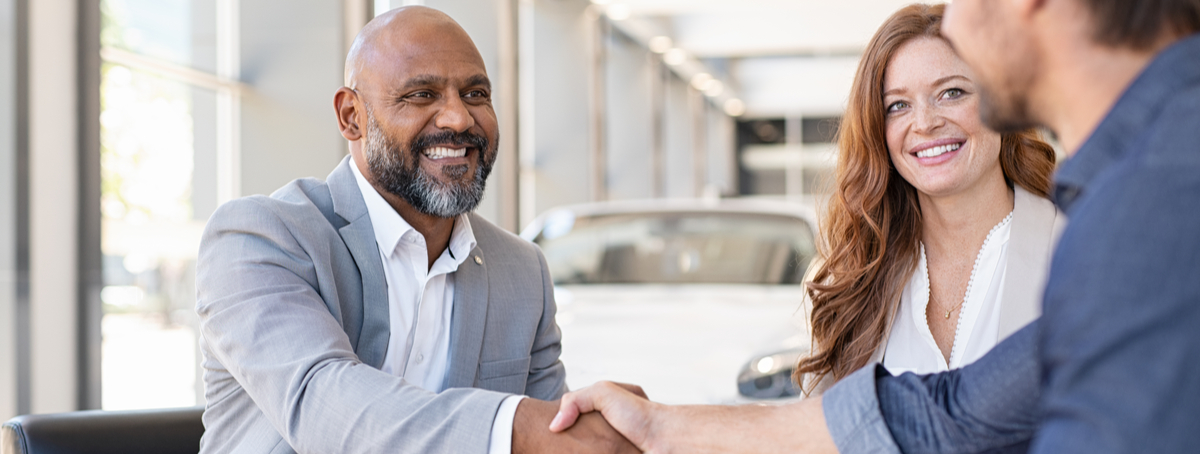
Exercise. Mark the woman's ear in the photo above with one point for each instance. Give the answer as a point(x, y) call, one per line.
point(345, 105)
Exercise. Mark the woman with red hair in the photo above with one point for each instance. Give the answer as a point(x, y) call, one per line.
point(938, 231)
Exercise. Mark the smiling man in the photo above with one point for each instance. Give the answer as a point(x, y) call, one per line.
point(372, 312)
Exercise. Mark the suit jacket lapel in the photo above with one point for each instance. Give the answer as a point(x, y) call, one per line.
point(359, 237)
point(467, 320)
point(1030, 245)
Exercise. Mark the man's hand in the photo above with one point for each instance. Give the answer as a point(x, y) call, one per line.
point(658, 429)
point(624, 406)
point(590, 434)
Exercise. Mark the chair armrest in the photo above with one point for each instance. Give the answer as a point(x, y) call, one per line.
point(166, 431)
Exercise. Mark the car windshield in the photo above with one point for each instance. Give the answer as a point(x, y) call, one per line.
point(676, 248)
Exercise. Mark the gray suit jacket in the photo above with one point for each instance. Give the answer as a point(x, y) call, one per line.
point(294, 327)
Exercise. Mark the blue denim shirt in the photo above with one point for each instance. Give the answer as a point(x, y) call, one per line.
point(1113, 365)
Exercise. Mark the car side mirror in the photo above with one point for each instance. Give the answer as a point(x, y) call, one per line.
point(770, 376)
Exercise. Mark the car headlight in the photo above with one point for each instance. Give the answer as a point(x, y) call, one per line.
point(770, 376)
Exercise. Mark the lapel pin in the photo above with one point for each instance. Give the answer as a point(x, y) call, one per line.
point(478, 260)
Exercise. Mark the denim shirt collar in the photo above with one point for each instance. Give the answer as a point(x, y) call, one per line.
point(1134, 113)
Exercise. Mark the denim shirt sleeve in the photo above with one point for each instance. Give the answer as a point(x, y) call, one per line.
point(852, 414)
point(988, 406)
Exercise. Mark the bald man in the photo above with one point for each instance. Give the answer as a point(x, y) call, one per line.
point(373, 312)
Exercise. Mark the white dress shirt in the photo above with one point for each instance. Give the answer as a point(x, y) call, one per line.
point(420, 302)
point(911, 347)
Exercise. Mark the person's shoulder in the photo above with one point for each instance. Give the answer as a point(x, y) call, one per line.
point(300, 202)
point(1175, 138)
point(1036, 212)
point(1024, 200)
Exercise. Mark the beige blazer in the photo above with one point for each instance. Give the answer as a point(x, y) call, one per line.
point(1036, 225)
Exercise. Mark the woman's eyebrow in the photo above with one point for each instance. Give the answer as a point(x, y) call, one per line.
point(895, 91)
point(949, 78)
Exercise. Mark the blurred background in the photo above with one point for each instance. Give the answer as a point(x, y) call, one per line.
point(668, 155)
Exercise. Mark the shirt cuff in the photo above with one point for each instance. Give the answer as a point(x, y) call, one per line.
point(853, 417)
point(501, 440)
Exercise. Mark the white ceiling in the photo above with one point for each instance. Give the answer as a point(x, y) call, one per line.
point(785, 57)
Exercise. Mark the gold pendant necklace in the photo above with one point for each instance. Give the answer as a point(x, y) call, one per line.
point(951, 310)
point(954, 309)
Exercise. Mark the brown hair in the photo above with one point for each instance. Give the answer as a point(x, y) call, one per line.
point(1140, 23)
point(873, 223)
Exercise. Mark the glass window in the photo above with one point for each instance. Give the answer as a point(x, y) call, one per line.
point(159, 174)
point(677, 248)
point(182, 32)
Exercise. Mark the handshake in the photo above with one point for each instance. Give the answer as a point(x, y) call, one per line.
point(612, 417)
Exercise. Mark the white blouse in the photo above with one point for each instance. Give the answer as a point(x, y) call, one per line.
point(910, 346)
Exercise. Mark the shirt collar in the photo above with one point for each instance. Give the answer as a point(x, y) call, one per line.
point(390, 227)
point(1133, 115)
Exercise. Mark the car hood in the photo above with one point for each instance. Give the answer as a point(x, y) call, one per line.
point(681, 343)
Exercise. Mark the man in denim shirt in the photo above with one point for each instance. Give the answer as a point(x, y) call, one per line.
point(1113, 365)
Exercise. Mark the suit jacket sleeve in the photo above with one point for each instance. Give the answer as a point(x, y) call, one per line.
point(547, 376)
point(263, 319)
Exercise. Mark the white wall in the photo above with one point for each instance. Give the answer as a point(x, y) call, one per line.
point(680, 152)
point(53, 145)
point(292, 56)
point(630, 137)
point(8, 218)
point(559, 112)
point(722, 160)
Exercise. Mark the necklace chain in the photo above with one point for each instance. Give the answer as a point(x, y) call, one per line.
point(971, 281)
point(951, 310)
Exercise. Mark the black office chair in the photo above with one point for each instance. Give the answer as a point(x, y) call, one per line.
point(169, 431)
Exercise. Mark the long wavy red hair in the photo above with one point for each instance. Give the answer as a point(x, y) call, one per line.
point(872, 227)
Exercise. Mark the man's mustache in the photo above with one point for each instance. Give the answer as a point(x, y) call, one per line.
point(467, 138)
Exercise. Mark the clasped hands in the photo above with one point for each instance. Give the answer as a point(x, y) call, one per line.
point(793, 426)
point(604, 418)
point(625, 407)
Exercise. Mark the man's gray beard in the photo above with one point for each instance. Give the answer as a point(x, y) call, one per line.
point(417, 187)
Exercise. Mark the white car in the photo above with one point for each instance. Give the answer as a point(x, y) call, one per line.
point(691, 299)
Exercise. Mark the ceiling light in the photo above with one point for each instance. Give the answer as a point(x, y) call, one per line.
point(618, 11)
point(660, 44)
point(714, 88)
point(675, 56)
point(700, 81)
point(735, 107)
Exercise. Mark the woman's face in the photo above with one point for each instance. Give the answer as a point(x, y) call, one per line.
point(934, 135)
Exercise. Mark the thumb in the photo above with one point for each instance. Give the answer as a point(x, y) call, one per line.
point(570, 407)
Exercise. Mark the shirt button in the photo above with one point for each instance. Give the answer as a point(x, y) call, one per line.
point(420, 357)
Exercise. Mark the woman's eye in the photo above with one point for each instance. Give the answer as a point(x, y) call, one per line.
point(953, 93)
point(896, 106)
